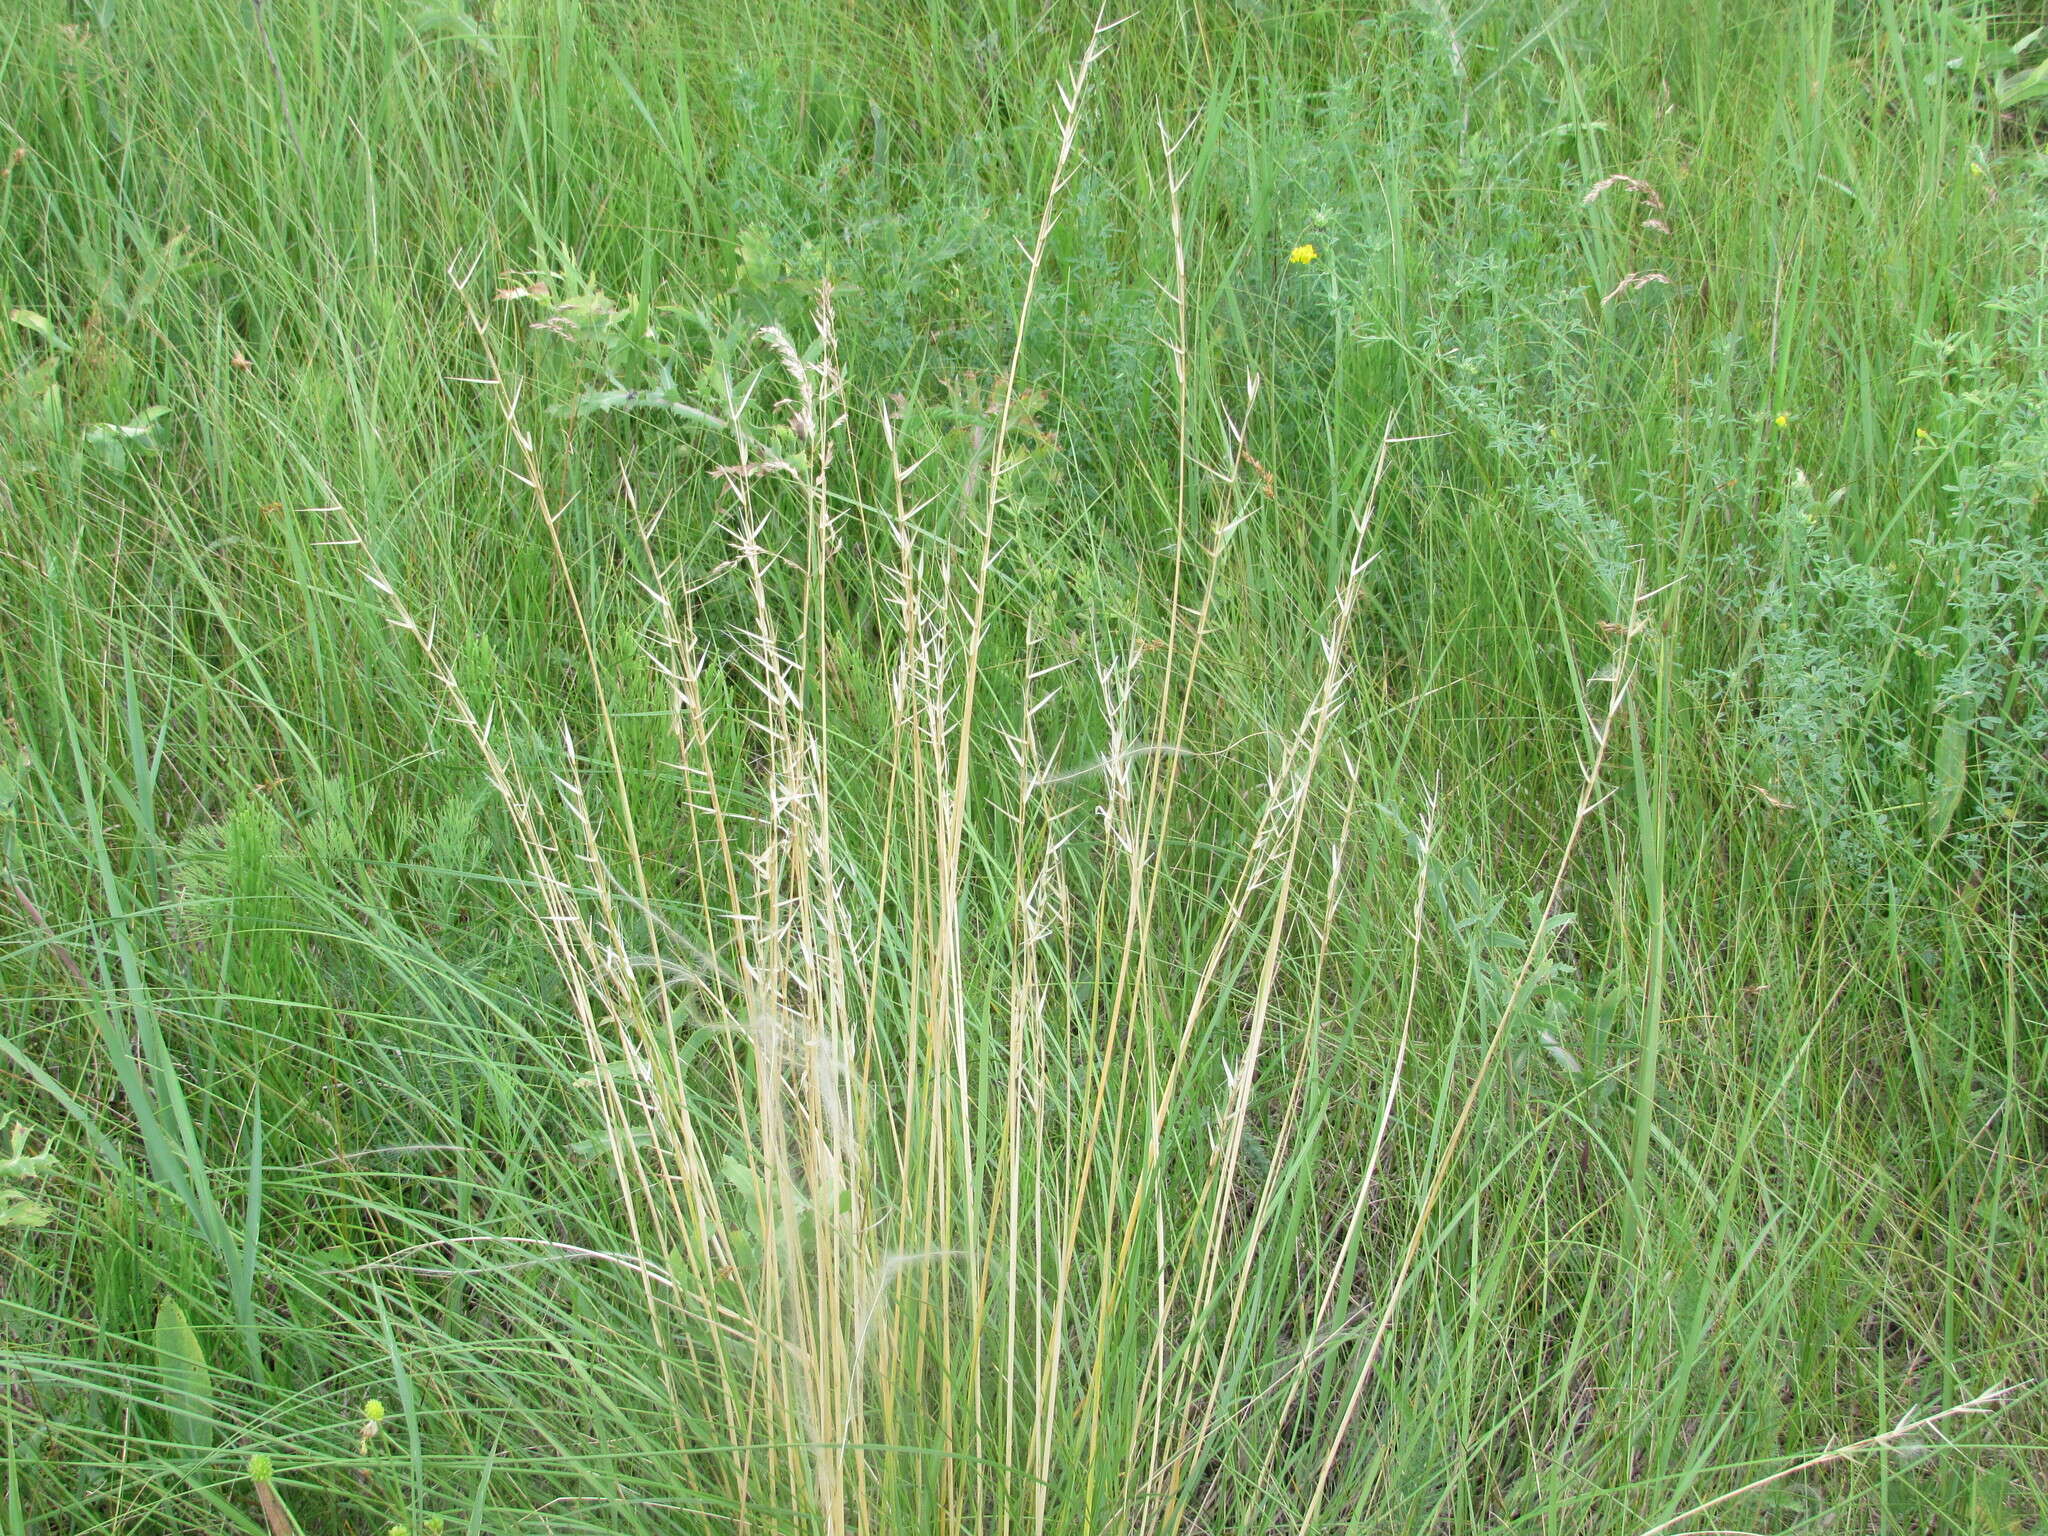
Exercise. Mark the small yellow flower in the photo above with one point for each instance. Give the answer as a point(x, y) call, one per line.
point(1976, 169)
point(1302, 255)
point(1781, 419)
point(373, 1411)
point(1922, 433)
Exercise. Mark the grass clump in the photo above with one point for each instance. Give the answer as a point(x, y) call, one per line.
point(958, 769)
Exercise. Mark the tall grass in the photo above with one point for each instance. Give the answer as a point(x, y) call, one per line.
point(755, 783)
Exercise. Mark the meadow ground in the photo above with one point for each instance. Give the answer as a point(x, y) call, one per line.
point(886, 767)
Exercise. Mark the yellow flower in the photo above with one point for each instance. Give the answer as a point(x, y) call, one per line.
point(1782, 419)
point(1921, 433)
point(1976, 169)
point(373, 1411)
point(1302, 255)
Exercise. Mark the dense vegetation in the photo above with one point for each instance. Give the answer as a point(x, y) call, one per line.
point(885, 767)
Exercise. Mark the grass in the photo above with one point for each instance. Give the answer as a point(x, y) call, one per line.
point(754, 782)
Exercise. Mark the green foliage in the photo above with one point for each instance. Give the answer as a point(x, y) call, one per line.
point(2011, 72)
point(114, 444)
point(19, 1170)
point(643, 824)
point(187, 1383)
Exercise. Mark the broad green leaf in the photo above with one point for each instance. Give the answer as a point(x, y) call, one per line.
point(30, 320)
point(440, 19)
point(113, 442)
point(2017, 87)
point(187, 1383)
point(1951, 773)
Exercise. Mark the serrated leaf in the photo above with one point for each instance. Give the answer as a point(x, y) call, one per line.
point(20, 1212)
point(20, 1163)
point(187, 1383)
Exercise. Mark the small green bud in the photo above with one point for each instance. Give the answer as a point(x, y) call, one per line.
point(259, 1468)
point(435, 1526)
point(399, 1530)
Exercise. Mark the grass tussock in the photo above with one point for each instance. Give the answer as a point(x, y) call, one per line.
point(956, 769)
